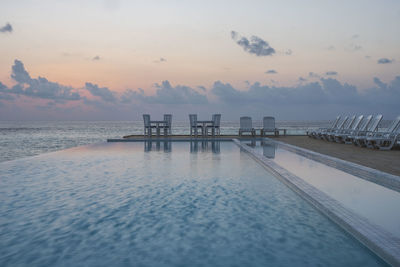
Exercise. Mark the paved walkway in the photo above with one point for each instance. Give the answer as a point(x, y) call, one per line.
point(387, 161)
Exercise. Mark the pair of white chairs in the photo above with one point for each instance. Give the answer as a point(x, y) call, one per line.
point(246, 125)
point(166, 125)
point(214, 125)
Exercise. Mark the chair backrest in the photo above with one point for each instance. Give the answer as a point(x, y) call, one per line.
point(269, 123)
point(341, 124)
point(216, 118)
point(356, 123)
point(246, 123)
point(365, 123)
point(335, 122)
point(350, 122)
point(168, 119)
point(146, 119)
point(373, 126)
point(395, 124)
point(193, 119)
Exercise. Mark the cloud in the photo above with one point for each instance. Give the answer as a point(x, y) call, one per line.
point(6, 28)
point(355, 36)
point(384, 95)
point(312, 100)
point(96, 58)
point(379, 83)
point(271, 72)
point(255, 45)
point(40, 87)
point(313, 75)
point(167, 94)
point(259, 95)
point(385, 61)
point(328, 93)
point(331, 48)
point(353, 47)
point(3, 88)
point(103, 92)
point(331, 73)
point(160, 60)
point(202, 88)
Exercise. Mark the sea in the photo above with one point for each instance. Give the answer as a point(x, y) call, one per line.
point(20, 139)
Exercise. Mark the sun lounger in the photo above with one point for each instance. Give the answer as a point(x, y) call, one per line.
point(318, 133)
point(326, 135)
point(385, 140)
point(342, 136)
point(360, 139)
point(246, 125)
point(349, 139)
point(346, 126)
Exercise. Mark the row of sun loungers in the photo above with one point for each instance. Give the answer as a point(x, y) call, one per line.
point(361, 131)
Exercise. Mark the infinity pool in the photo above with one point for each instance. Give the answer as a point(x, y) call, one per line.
point(161, 204)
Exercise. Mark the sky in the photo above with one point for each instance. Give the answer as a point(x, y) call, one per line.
point(115, 60)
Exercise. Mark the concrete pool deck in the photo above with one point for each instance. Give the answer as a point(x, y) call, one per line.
point(386, 161)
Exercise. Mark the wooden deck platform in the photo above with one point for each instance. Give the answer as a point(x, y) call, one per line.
point(138, 138)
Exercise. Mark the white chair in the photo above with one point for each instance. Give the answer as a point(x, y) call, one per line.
point(361, 138)
point(193, 125)
point(147, 125)
point(385, 140)
point(215, 126)
point(269, 126)
point(342, 136)
point(168, 124)
point(246, 125)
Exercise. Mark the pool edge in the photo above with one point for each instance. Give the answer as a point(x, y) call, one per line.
point(381, 178)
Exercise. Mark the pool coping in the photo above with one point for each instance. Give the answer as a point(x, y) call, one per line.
point(377, 239)
point(372, 175)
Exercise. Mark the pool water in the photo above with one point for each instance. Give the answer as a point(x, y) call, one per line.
point(161, 204)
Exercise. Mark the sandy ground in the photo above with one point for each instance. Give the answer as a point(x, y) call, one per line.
point(387, 161)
